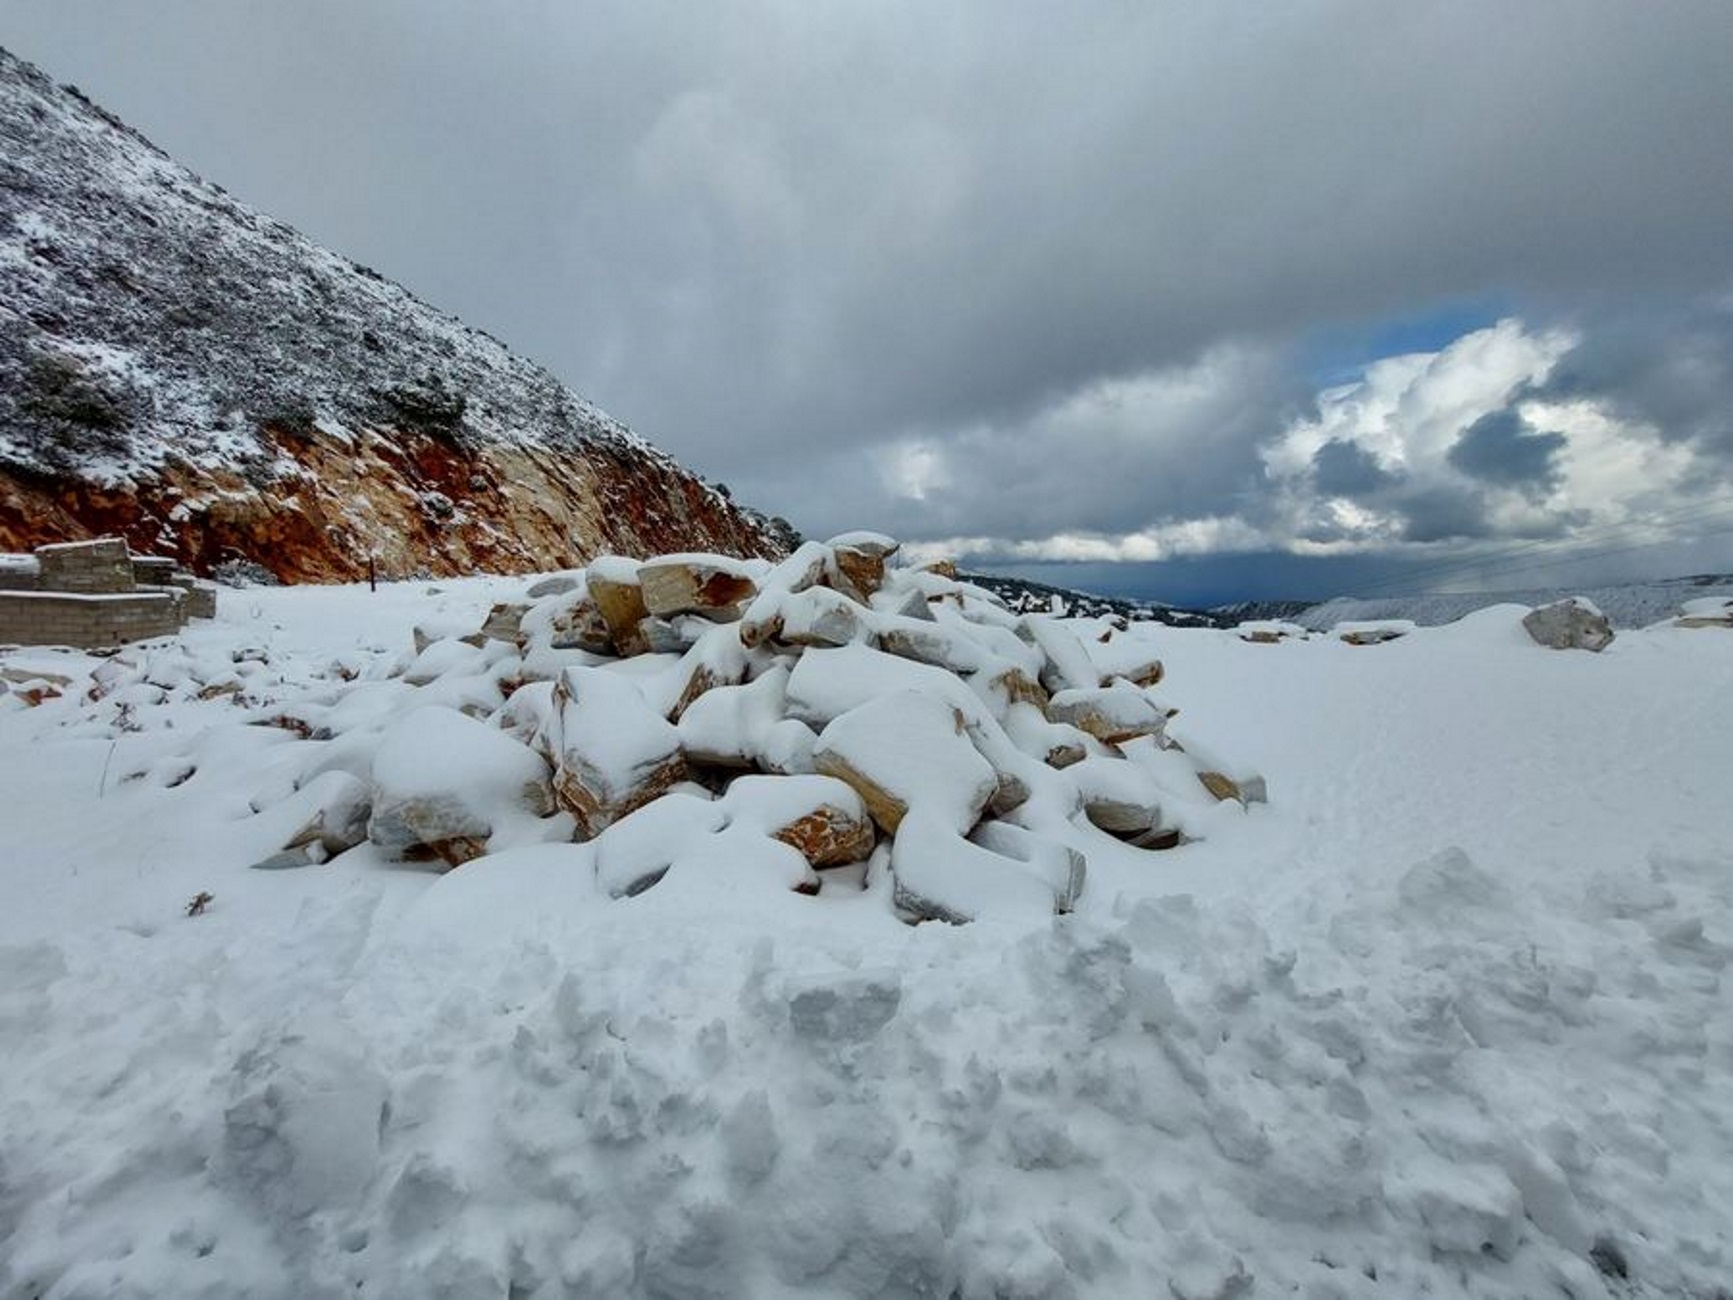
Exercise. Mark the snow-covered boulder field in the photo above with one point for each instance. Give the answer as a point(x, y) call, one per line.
point(598, 936)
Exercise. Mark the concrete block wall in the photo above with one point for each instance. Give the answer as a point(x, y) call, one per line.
point(19, 573)
point(88, 622)
point(153, 570)
point(95, 594)
point(102, 567)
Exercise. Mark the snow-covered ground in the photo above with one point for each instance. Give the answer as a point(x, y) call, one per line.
point(1445, 1017)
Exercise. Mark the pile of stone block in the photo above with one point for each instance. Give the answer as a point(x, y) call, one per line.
point(96, 594)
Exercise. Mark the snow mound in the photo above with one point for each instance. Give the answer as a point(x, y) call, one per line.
point(716, 684)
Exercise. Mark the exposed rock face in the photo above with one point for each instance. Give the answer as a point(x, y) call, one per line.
point(185, 373)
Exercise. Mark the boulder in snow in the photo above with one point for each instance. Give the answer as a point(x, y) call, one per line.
point(557, 584)
point(636, 851)
point(907, 748)
point(821, 816)
point(1112, 714)
point(613, 752)
point(1711, 611)
point(1246, 790)
point(710, 586)
point(858, 563)
point(442, 782)
point(613, 586)
point(503, 623)
point(1569, 624)
point(339, 818)
point(940, 876)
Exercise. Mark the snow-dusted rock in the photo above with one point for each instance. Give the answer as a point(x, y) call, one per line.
point(745, 727)
point(1062, 868)
point(941, 876)
point(943, 647)
point(715, 659)
point(1057, 744)
point(503, 623)
point(613, 752)
point(827, 683)
point(907, 749)
point(446, 656)
point(567, 620)
point(821, 816)
point(819, 616)
point(442, 782)
point(762, 619)
point(1269, 632)
point(1068, 665)
point(671, 636)
point(1124, 657)
point(637, 851)
point(342, 803)
point(858, 562)
point(1111, 714)
point(613, 586)
point(1709, 611)
point(1118, 797)
point(1569, 624)
point(1224, 787)
point(711, 586)
point(1373, 633)
point(557, 584)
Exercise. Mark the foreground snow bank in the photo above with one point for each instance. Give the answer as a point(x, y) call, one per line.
point(1447, 1018)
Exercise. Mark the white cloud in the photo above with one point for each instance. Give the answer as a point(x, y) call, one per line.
point(1576, 468)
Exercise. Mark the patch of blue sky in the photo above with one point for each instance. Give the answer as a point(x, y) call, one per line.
point(1339, 354)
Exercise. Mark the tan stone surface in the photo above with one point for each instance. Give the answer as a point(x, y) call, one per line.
point(693, 587)
point(829, 836)
point(621, 605)
point(885, 808)
point(593, 801)
point(1220, 785)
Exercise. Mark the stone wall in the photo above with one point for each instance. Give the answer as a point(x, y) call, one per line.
point(154, 570)
point(102, 567)
point(19, 573)
point(88, 621)
point(96, 594)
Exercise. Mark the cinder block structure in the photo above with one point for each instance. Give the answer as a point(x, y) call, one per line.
point(92, 595)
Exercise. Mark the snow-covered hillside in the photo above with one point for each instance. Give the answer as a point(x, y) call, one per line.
point(1446, 1016)
point(201, 378)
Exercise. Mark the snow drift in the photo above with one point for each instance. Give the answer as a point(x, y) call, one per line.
point(1445, 1017)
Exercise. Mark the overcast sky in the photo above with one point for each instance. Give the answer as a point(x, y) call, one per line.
point(1200, 298)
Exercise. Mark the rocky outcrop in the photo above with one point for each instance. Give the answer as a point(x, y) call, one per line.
point(192, 376)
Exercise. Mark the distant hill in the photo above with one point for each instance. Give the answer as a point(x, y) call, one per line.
point(1626, 604)
point(207, 382)
point(1634, 604)
point(1030, 597)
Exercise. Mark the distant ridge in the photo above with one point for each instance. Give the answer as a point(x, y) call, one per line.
point(1631, 604)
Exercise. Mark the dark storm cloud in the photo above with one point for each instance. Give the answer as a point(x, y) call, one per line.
point(788, 241)
point(1346, 469)
point(1444, 514)
point(1667, 367)
point(1500, 448)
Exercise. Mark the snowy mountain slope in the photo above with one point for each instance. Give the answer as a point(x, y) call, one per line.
point(1024, 594)
point(1448, 1016)
point(181, 369)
